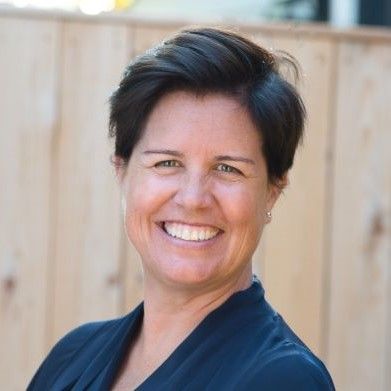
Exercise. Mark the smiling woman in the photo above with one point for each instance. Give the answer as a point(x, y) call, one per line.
point(209, 180)
point(205, 132)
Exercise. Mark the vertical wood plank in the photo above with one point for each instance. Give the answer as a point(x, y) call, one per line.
point(28, 74)
point(87, 283)
point(294, 253)
point(361, 248)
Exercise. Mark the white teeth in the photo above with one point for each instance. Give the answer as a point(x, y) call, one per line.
point(194, 235)
point(186, 234)
point(190, 233)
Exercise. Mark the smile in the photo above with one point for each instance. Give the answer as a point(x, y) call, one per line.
point(193, 233)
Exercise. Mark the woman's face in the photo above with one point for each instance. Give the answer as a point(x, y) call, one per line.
point(196, 191)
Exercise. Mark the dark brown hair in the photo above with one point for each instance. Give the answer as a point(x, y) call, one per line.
point(210, 60)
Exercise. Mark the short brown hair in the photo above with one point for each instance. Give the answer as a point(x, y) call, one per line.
point(210, 60)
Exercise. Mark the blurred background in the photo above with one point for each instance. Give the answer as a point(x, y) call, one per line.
point(325, 260)
point(335, 12)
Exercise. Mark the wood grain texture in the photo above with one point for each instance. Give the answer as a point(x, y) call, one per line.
point(28, 72)
point(87, 280)
point(359, 341)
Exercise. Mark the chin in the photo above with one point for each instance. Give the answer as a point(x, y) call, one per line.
point(186, 273)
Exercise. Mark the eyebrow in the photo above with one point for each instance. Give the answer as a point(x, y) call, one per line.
point(163, 152)
point(219, 158)
point(235, 159)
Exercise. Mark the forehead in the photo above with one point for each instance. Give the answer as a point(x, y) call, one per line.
point(212, 121)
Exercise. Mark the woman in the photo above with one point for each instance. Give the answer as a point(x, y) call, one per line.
point(205, 132)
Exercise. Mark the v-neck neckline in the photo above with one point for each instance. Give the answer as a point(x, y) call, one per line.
point(230, 310)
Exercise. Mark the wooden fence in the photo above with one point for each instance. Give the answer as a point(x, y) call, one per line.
point(325, 260)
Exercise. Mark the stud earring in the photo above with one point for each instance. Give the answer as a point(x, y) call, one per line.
point(269, 216)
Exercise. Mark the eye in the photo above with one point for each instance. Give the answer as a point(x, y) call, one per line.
point(168, 163)
point(228, 169)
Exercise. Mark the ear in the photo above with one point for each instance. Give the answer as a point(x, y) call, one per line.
point(274, 191)
point(120, 168)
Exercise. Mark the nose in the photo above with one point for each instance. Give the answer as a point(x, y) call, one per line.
point(194, 192)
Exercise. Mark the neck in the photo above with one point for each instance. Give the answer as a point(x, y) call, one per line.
point(171, 314)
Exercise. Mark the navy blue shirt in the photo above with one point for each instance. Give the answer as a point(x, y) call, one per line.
point(242, 345)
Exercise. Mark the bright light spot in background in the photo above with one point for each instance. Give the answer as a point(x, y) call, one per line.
point(91, 7)
point(67, 4)
point(94, 7)
point(20, 3)
point(53, 3)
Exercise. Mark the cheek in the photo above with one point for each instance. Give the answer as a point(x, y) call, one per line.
point(139, 206)
point(144, 195)
point(243, 204)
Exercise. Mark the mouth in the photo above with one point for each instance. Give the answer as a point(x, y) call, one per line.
point(189, 232)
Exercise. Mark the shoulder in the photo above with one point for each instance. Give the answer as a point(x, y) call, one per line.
point(296, 370)
point(76, 339)
point(67, 348)
point(78, 335)
point(284, 362)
